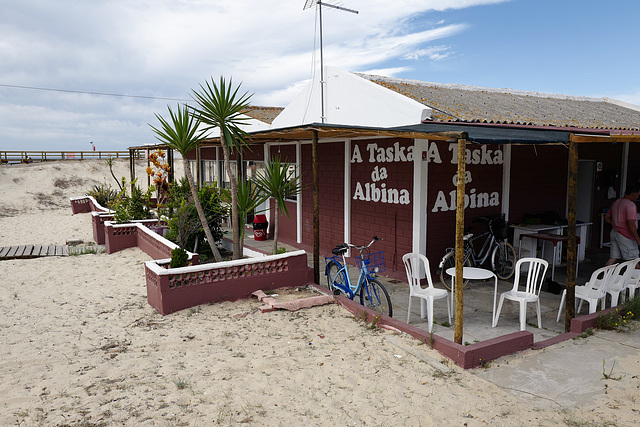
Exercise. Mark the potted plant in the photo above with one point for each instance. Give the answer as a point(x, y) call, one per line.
point(158, 170)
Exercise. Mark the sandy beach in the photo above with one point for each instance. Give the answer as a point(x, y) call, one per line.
point(80, 346)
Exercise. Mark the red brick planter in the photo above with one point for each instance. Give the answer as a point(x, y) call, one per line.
point(170, 290)
point(137, 234)
point(85, 204)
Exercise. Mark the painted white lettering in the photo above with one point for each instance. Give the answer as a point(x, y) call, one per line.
point(371, 148)
point(392, 196)
point(472, 196)
point(487, 159)
point(373, 193)
point(358, 193)
point(441, 203)
point(433, 154)
point(472, 200)
point(389, 157)
point(467, 178)
point(400, 156)
point(474, 156)
point(498, 160)
point(404, 197)
point(379, 174)
point(481, 156)
point(356, 157)
point(453, 147)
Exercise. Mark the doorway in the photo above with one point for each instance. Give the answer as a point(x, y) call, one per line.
point(585, 191)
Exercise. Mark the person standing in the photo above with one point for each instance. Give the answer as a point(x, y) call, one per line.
point(623, 217)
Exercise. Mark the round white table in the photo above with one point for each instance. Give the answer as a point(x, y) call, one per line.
point(475, 273)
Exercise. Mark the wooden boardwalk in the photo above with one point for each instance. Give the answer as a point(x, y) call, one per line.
point(32, 251)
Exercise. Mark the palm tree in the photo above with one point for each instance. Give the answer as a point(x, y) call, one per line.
point(182, 135)
point(221, 106)
point(277, 180)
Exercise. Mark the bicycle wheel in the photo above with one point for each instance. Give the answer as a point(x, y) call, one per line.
point(450, 261)
point(503, 260)
point(335, 274)
point(375, 296)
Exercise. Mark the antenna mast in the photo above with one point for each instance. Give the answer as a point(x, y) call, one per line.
point(308, 4)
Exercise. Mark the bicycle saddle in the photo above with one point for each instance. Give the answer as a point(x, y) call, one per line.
point(340, 249)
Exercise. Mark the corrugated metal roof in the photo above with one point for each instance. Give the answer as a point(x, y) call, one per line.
point(452, 103)
point(264, 114)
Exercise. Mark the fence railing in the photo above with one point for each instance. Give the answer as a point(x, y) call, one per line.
point(45, 156)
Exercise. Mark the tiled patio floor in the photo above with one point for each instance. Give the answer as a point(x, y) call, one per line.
point(478, 302)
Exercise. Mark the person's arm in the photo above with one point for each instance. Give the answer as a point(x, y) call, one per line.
point(631, 225)
point(607, 217)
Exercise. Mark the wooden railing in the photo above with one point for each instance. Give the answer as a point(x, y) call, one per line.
point(45, 156)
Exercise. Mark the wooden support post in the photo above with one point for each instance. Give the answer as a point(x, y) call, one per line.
point(571, 229)
point(148, 166)
point(171, 165)
point(132, 167)
point(459, 280)
point(198, 166)
point(316, 208)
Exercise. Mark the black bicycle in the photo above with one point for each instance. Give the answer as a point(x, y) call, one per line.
point(495, 248)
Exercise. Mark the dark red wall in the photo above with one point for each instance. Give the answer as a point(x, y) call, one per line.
point(393, 222)
point(538, 180)
point(331, 195)
point(287, 224)
point(483, 186)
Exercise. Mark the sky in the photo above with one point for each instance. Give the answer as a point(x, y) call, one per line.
point(57, 57)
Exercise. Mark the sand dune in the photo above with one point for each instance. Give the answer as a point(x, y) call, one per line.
point(81, 346)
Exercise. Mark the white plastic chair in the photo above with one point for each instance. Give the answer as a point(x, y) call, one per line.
point(535, 270)
point(412, 264)
point(593, 291)
point(619, 280)
point(633, 282)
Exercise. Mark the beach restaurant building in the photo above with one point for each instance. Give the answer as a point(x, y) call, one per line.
point(387, 153)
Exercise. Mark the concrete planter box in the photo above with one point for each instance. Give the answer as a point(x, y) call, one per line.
point(137, 234)
point(170, 290)
point(86, 204)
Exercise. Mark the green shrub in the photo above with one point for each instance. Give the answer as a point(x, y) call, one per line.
point(129, 208)
point(179, 258)
point(185, 227)
point(618, 318)
point(103, 194)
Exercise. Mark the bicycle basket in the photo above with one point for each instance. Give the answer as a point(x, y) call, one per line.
point(499, 228)
point(372, 261)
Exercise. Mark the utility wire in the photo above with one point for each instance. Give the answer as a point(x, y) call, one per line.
point(93, 93)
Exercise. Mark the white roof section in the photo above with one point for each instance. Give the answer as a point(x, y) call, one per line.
point(351, 100)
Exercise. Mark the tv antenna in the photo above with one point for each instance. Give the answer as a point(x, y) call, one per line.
point(309, 4)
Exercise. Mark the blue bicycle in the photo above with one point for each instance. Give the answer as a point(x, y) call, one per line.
point(372, 293)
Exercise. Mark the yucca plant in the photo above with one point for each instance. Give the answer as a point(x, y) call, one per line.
point(182, 135)
point(221, 106)
point(279, 180)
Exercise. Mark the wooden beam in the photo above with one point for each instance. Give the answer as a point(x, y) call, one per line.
point(459, 280)
point(316, 209)
point(603, 139)
point(571, 229)
point(198, 160)
point(132, 167)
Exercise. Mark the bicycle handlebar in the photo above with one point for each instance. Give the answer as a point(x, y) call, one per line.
point(360, 248)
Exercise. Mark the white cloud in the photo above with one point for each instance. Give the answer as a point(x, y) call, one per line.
point(434, 53)
point(167, 47)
